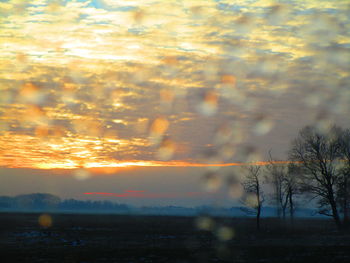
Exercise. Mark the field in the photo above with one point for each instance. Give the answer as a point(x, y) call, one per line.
point(115, 238)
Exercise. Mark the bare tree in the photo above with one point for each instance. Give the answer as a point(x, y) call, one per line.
point(317, 155)
point(343, 186)
point(292, 188)
point(276, 175)
point(283, 178)
point(254, 197)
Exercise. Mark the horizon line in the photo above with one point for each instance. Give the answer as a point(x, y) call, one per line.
point(135, 164)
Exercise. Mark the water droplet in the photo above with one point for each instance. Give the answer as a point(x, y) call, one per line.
point(208, 105)
point(42, 131)
point(225, 233)
point(251, 200)
point(45, 220)
point(34, 114)
point(228, 80)
point(22, 57)
point(166, 150)
point(205, 223)
point(31, 93)
point(223, 135)
point(235, 188)
point(157, 130)
point(159, 126)
point(88, 127)
point(166, 98)
point(211, 182)
point(82, 174)
point(138, 16)
point(226, 152)
point(262, 125)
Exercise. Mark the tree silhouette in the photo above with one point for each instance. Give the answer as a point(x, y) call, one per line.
point(292, 187)
point(276, 175)
point(283, 179)
point(343, 184)
point(254, 197)
point(317, 155)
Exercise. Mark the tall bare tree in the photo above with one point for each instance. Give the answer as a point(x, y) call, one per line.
point(283, 178)
point(292, 187)
point(254, 193)
point(344, 177)
point(318, 155)
point(276, 175)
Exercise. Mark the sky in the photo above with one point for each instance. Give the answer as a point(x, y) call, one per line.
point(97, 94)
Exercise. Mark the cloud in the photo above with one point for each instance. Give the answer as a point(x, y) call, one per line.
point(82, 81)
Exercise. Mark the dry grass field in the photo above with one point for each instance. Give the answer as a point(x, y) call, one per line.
point(116, 238)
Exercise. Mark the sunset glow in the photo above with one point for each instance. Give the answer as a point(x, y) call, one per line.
point(114, 84)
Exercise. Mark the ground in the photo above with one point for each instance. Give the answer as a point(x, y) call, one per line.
point(116, 238)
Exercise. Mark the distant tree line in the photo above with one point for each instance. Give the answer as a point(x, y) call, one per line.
point(318, 169)
point(39, 201)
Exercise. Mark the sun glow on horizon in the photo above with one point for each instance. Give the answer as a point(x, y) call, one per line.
point(112, 166)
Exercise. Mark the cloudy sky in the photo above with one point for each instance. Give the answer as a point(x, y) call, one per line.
point(97, 87)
